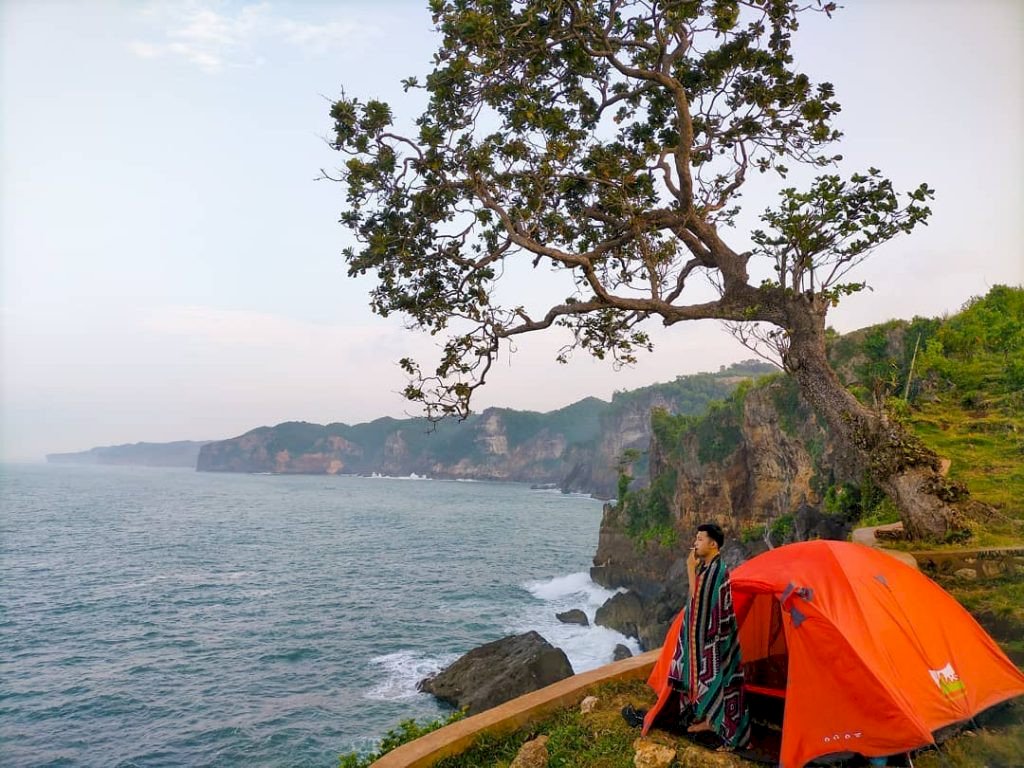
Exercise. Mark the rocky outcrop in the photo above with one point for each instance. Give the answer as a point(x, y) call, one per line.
point(622, 612)
point(760, 460)
point(499, 671)
point(574, 616)
point(757, 464)
point(621, 652)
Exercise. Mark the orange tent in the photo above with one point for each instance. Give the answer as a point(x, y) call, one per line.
point(875, 656)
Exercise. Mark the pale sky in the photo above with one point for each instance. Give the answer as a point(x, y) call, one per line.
point(171, 270)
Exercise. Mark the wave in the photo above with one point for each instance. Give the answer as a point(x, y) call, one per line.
point(410, 476)
point(586, 647)
point(571, 588)
point(401, 671)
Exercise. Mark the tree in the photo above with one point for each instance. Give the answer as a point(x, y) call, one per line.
point(611, 139)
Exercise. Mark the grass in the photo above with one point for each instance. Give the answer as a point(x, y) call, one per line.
point(999, 743)
point(601, 739)
point(985, 446)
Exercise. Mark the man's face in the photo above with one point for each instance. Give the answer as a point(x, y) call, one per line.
point(704, 544)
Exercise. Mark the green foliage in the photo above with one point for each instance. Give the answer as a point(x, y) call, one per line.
point(781, 528)
point(406, 731)
point(717, 432)
point(649, 512)
point(968, 405)
point(691, 395)
point(786, 396)
point(626, 462)
point(980, 348)
point(865, 503)
point(751, 533)
point(835, 223)
point(616, 141)
point(883, 513)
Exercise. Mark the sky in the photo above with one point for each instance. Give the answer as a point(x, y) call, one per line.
point(170, 266)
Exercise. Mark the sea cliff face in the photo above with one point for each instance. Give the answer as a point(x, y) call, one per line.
point(761, 460)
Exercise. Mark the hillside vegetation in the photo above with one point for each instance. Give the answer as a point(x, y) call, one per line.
point(957, 381)
point(962, 394)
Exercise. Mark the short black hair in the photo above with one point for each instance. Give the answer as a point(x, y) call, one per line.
point(714, 531)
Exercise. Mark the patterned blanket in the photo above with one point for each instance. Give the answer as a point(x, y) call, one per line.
point(706, 668)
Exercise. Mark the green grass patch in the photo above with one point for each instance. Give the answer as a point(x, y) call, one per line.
point(1001, 597)
point(986, 453)
point(999, 742)
point(601, 739)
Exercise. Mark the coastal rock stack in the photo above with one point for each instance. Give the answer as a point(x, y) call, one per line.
point(499, 671)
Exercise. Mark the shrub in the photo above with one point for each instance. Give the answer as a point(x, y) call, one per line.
point(406, 731)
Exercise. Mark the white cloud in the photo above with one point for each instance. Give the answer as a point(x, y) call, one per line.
point(214, 37)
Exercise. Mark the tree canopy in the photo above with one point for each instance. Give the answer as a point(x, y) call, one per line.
point(610, 139)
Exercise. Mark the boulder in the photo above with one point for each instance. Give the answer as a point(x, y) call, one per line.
point(588, 705)
point(499, 671)
point(649, 754)
point(574, 616)
point(621, 652)
point(623, 612)
point(659, 613)
point(533, 754)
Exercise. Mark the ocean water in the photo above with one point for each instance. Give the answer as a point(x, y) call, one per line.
point(162, 617)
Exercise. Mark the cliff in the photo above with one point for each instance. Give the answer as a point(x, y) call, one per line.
point(182, 453)
point(764, 467)
point(577, 448)
point(757, 463)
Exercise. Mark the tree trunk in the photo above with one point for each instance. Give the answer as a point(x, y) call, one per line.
point(896, 460)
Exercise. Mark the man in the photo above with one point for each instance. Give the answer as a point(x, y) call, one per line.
point(700, 661)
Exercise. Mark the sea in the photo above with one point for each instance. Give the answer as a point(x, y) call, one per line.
point(166, 617)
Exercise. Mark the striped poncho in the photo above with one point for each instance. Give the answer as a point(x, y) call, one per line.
point(705, 668)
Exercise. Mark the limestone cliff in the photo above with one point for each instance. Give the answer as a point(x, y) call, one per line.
point(576, 448)
point(759, 461)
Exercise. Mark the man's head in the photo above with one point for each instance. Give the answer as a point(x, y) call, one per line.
point(708, 541)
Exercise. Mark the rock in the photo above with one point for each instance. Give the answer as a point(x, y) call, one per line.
point(588, 704)
point(696, 756)
point(622, 612)
point(533, 754)
point(574, 616)
point(968, 574)
point(621, 652)
point(649, 754)
point(659, 613)
point(992, 568)
point(499, 671)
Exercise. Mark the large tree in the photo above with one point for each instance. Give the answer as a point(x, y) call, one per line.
point(611, 139)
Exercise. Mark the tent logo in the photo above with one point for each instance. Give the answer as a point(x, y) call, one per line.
point(948, 681)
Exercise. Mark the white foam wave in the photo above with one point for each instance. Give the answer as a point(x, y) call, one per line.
point(587, 647)
point(401, 671)
point(411, 476)
point(571, 588)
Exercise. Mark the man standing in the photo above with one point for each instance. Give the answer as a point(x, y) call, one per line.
point(704, 666)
